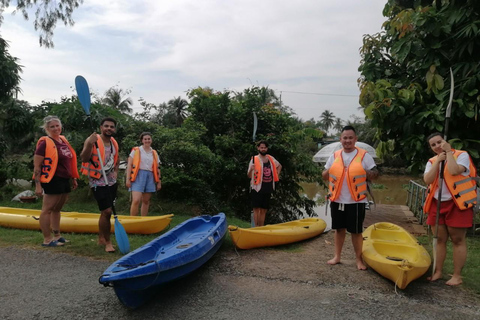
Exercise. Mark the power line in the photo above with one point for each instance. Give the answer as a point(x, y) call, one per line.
point(320, 94)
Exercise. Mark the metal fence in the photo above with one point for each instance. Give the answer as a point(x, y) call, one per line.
point(415, 199)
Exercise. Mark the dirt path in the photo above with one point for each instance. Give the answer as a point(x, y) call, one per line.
point(253, 284)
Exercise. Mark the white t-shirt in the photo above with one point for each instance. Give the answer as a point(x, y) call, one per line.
point(463, 160)
point(146, 159)
point(367, 163)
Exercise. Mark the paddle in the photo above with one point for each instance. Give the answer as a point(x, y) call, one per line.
point(83, 93)
point(442, 167)
point(255, 126)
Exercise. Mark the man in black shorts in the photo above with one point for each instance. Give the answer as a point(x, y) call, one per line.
point(263, 171)
point(347, 171)
point(104, 192)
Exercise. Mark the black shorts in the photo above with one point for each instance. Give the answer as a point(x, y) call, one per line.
point(260, 200)
point(105, 196)
point(350, 218)
point(57, 186)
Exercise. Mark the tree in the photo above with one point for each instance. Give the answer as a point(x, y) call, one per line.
point(327, 119)
point(405, 82)
point(114, 98)
point(177, 106)
point(9, 72)
point(47, 14)
point(338, 125)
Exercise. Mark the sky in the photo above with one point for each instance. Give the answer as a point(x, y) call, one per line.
point(305, 50)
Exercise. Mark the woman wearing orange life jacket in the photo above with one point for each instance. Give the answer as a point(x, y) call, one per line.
point(55, 163)
point(457, 199)
point(143, 174)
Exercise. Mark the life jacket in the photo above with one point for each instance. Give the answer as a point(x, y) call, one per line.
point(93, 168)
point(258, 174)
point(356, 176)
point(136, 165)
point(462, 188)
point(50, 161)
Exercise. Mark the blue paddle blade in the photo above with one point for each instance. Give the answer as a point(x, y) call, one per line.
point(121, 237)
point(83, 93)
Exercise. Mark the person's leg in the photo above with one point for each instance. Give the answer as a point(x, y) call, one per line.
point(56, 216)
point(136, 199)
point(145, 203)
point(49, 202)
point(104, 227)
point(441, 251)
point(357, 241)
point(457, 235)
point(256, 216)
point(339, 240)
point(261, 217)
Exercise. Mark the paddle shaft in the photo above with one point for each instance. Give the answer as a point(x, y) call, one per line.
point(441, 178)
point(255, 126)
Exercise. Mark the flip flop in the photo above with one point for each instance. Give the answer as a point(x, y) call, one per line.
point(62, 240)
point(53, 243)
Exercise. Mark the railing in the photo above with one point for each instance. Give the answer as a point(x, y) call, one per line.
point(415, 199)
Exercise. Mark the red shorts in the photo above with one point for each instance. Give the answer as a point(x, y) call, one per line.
point(450, 215)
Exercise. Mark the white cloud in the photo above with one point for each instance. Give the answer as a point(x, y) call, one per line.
point(160, 49)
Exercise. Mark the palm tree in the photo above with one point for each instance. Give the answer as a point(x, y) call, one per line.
point(327, 119)
point(113, 98)
point(178, 107)
point(338, 126)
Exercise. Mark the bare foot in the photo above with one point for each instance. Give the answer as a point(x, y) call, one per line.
point(435, 277)
point(361, 265)
point(334, 261)
point(454, 281)
point(109, 248)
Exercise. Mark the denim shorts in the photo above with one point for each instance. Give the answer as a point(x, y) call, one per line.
point(144, 182)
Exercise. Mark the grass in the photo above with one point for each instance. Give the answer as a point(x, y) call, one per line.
point(471, 276)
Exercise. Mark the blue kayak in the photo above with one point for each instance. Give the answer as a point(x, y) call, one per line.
point(175, 254)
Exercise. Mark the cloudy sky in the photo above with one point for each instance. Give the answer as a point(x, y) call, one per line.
point(306, 50)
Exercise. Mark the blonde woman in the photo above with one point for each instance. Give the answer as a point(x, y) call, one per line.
point(143, 174)
point(55, 165)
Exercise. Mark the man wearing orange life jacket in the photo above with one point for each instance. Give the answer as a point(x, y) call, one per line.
point(143, 174)
point(104, 194)
point(55, 164)
point(456, 204)
point(347, 171)
point(263, 171)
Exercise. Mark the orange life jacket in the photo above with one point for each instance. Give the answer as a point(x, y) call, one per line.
point(50, 161)
point(136, 165)
point(356, 176)
point(462, 188)
point(93, 168)
point(258, 174)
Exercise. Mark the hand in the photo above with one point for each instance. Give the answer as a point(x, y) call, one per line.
point(442, 157)
point(92, 138)
point(446, 146)
point(38, 190)
point(128, 183)
point(75, 184)
point(159, 185)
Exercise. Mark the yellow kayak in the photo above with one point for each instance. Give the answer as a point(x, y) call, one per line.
point(394, 253)
point(276, 234)
point(81, 222)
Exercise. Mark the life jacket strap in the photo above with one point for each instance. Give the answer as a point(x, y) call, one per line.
point(359, 177)
point(467, 179)
point(359, 185)
point(458, 195)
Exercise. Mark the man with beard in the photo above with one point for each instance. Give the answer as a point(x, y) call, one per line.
point(105, 193)
point(263, 172)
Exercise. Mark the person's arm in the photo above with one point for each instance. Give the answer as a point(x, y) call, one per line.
point(372, 174)
point(128, 183)
point(37, 172)
point(453, 167)
point(430, 176)
point(86, 153)
point(250, 169)
point(279, 168)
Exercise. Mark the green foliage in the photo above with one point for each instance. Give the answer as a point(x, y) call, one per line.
point(405, 82)
point(47, 13)
point(9, 72)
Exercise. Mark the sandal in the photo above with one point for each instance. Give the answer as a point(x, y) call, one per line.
point(53, 243)
point(62, 240)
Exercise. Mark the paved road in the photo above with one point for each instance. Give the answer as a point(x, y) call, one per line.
point(254, 284)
